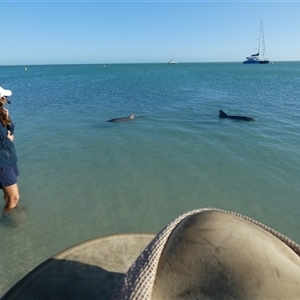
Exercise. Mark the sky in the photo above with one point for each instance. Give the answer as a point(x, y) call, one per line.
point(88, 32)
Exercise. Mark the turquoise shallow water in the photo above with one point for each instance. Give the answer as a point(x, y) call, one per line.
point(82, 177)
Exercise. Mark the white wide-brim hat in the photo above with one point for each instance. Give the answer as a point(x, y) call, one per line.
point(5, 93)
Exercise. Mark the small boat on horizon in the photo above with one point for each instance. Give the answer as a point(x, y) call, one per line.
point(172, 62)
point(260, 56)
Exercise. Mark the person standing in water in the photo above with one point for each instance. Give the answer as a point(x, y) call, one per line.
point(8, 157)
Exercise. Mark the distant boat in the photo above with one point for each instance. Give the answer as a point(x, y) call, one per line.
point(172, 61)
point(25, 68)
point(260, 56)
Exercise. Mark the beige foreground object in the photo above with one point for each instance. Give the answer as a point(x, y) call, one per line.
point(214, 254)
point(90, 270)
point(203, 254)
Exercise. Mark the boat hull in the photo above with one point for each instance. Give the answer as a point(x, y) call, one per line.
point(256, 62)
point(264, 62)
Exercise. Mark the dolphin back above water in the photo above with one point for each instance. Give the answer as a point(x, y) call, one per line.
point(129, 118)
point(223, 115)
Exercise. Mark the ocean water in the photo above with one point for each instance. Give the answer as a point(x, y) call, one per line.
point(82, 177)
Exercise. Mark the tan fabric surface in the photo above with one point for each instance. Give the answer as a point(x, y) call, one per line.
point(214, 254)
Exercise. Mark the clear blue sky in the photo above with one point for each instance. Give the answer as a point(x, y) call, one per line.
point(71, 32)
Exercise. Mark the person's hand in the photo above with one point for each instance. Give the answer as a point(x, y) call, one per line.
point(10, 136)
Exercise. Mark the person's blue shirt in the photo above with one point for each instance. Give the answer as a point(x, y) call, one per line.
point(8, 155)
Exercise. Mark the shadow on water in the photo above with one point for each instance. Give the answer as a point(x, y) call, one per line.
point(64, 279)
point(16, 218)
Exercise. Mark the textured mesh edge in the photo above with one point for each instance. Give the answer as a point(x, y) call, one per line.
point(138, 282)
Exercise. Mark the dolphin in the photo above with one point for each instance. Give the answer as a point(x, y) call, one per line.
point(222, 115)
point(129, 118)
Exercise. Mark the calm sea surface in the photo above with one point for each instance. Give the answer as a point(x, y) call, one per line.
point(82, 177)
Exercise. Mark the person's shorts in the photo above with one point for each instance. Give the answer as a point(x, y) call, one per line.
point(8, 175)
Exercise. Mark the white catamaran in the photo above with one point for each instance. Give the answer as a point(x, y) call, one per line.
point(260, 56)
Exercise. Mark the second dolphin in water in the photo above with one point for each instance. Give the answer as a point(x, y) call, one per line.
point(129, 118)
point(222, 115)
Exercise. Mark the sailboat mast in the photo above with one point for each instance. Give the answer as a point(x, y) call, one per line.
point(263, 42)
point(259, 40)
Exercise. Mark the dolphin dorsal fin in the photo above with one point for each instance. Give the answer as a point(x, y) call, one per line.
point(222, 114)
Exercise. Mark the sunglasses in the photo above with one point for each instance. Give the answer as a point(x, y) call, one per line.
point(5, 97)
